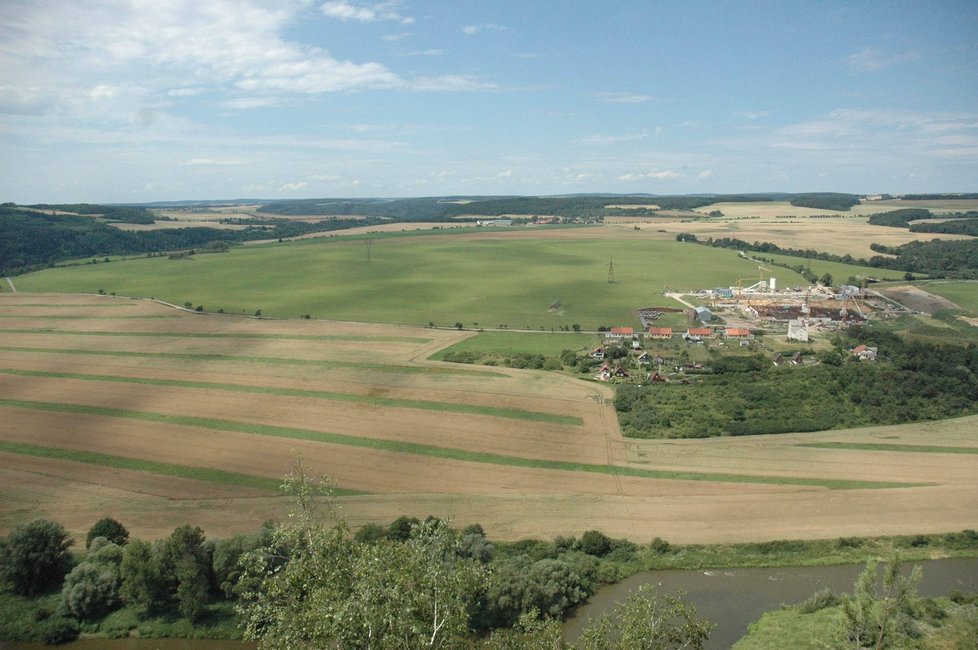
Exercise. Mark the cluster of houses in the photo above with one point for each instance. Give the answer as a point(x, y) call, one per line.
point(665, 333)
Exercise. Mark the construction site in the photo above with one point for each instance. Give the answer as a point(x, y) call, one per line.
point(797, 312)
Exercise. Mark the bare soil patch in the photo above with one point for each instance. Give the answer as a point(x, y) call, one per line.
point(917, 299)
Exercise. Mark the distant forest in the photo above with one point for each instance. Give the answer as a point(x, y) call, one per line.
point(578, 206)
point(31, 240)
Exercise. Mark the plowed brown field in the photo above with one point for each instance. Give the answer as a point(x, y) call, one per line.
point(104, 375)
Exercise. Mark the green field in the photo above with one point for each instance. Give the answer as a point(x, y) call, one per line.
point(416, 280)
point(960, 292)
point(840, 272)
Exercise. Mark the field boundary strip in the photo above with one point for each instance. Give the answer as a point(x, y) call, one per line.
point(222, 335)
point(192, 356)
point(887, 446)
point(449, 453)
point(154, 467)
point(471, 409)
point(82, 317)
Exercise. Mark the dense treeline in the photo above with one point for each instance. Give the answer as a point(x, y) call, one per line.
point(577, 206)
point(31, 240)
point(899, 218)
point(938, 197)
point(967, 226)
point(119, 213)
point(826, 201)
point(409, 578)
point(937, 258)
point(911, 381)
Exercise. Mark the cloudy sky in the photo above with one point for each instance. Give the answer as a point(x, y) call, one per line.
point(145, 100)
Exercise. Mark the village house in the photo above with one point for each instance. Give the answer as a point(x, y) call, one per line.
point(660, 332)
point(596, 353)
point(798, 330)
point(620, 333)
point(698, 333)
point(865, 353)
point(737, 333)
point(779, 360)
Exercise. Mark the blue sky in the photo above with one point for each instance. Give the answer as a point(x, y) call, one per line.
point(205, 99)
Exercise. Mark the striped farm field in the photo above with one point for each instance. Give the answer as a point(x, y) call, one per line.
point(170, 417)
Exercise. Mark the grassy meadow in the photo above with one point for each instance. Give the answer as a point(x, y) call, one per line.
point(415, 280)
point(960, 292)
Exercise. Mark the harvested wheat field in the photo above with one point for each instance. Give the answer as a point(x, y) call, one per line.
point(159, 417)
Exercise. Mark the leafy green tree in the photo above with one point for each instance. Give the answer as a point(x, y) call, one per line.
point(143, 580)
point(187, 559)
point(316, 587)
point(226, 556)
point(110, 529)
point(879, 616)
point(594, 542)
point(35, 557)
point(644, 620)
point(529, 633)
point(91, 589)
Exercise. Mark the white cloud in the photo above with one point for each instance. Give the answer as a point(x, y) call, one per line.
point(245, 103)
point(103, 91)
point(381, 11)
point(293, 187)
point(450, 83)
point(871, 59)
point(703, 175)
point(396, 37)
point(184, 92)
point(17, 100)
point(655, 174)
point(506, 174)
point(622, 98)
point(615, 139)
point(212, 162)
point(753, 115)
point(432, 52)
point(475, 29)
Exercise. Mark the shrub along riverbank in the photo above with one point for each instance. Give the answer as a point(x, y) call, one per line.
point(189, 586)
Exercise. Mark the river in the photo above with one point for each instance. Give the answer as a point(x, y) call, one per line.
point(734, 598)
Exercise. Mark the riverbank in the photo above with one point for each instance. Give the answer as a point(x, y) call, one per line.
point(618, 562)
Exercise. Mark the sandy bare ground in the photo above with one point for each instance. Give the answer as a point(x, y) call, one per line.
point(510, 501)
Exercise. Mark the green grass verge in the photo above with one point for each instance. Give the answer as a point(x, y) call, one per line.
point(517, 414)
point(223, 335)
point(379, 367)
point(153, 467)
point(886, 446)
point(434, 451)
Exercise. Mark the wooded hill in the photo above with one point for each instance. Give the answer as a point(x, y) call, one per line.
point(31, 240)
point(576, 206)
